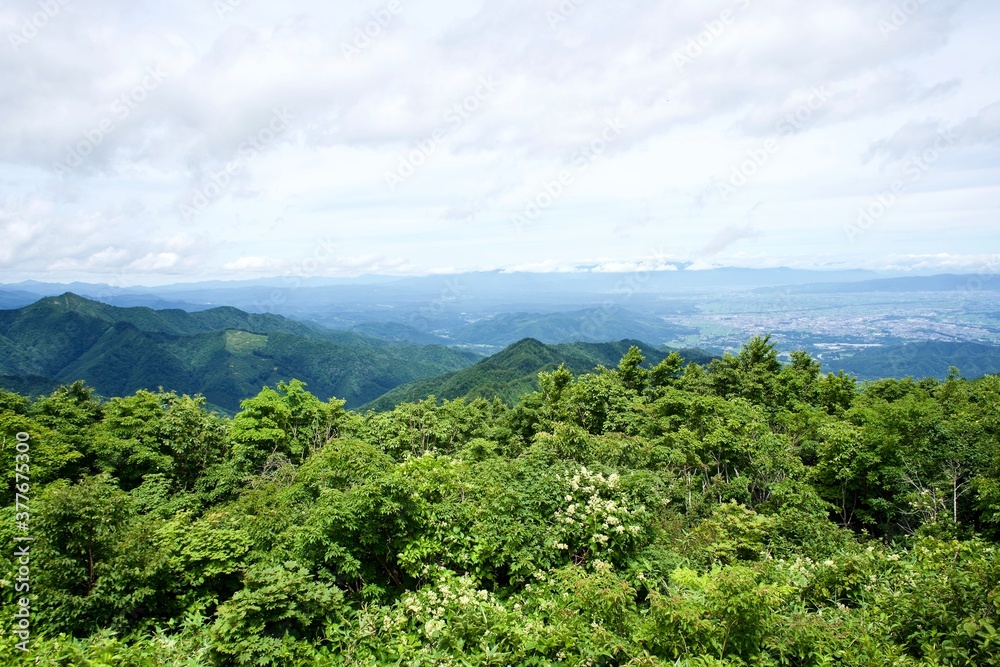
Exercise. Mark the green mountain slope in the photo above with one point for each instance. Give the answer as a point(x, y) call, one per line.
point(398, 332)
point(920, 360)
point(124, 359)
point(590, 325)
point(513, 372)
point(52, 312)
point(223, 353)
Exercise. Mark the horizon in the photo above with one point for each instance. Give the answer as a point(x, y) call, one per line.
point(989, 268)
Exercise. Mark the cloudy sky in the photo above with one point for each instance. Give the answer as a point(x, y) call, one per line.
point(144, 143)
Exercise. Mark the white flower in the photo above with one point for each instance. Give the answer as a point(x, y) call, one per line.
point(432, 626)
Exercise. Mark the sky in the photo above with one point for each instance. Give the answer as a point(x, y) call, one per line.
point(151, 143)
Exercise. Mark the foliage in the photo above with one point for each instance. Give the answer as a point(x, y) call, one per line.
point(743, 512)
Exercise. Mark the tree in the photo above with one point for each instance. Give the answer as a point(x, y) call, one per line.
point(78, 529)
point(289, 423)
point(752, 374)
point(158, 433)
point(633, 376)
point(667, 371)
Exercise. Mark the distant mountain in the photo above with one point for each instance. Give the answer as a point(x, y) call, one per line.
point(406, 298)
point(513, 372)
point(149, 301)
point(10, 298)
point(113, 296)
point(586, 325)
point(395, 331)
point(224, 353)
point(506, 283)
point(491, 309)
point(920, 360)
point(939, 283)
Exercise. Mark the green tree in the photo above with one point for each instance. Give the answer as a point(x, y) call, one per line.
point(79, 527)
point(751, 374)
point(288, 424)
point(633, 376)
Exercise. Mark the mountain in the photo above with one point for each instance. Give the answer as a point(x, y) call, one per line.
point(29, 385)
point(920, 360)
point(947, 282)
point(588, 325)
point(16, 298)
point(513, 372)
point(224, 353)
point(413, 299)
point(395, 331)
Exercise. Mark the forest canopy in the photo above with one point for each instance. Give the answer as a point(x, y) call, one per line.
point(741, 512)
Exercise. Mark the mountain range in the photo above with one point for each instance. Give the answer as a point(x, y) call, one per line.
point(513, 372)
point(227, 354)
point(404, 297)
point(223, 353)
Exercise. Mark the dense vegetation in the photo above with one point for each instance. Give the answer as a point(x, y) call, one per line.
point(513, 372)
point(224, 354)
point(743, 513)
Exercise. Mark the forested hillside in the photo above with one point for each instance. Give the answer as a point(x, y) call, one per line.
point(927, 359)
point(739, 513)
point(513, 372)
point(591, 324)
point(224, 354)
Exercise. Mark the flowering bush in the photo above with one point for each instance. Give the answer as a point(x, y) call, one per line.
point(597, 520)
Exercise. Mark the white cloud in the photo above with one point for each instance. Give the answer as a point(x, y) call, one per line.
point(154, 262)
point(254, 264)
point(143, 107)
